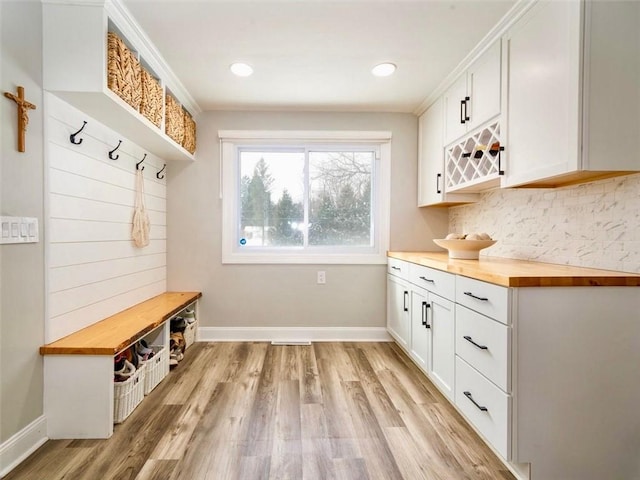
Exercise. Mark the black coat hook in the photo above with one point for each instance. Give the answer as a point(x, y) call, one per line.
point(140, 162)
point(72, 137)
point(111, 152)
point(158, 176)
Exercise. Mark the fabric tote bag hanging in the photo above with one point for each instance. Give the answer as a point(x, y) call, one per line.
point(141, 226)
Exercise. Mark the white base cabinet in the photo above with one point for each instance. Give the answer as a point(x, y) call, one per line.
point(544, 374)
point(398, 313)
point(421, 319)
point(432, 337)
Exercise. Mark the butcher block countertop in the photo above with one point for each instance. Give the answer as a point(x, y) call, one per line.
point(520, 273)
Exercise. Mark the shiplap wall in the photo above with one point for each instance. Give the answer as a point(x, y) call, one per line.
point(93, 268)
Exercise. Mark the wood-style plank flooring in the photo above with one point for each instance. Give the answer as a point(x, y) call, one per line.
point(251, 411)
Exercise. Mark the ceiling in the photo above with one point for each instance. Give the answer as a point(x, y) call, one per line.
point(315, 54)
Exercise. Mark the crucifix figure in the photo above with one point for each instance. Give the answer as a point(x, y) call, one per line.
point(23, 114)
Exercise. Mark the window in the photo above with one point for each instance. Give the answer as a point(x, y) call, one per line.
point(305, 197)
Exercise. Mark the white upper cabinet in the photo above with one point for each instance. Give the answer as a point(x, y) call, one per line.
point(431, 180)
point(475, 97)
point(572, 93)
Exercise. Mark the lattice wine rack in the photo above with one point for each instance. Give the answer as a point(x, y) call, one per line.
point(475, 160)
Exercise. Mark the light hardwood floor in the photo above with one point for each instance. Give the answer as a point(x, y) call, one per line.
point(255, 411)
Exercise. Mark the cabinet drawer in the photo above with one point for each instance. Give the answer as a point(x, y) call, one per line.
point(485, 345)
point(486, 298)
point(399, 268)
point(490, 413)
point(436, 281)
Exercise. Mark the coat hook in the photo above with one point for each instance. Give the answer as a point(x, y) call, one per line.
point(158, 176)
point(140, 162)
point(72, 137)
point(111, 152)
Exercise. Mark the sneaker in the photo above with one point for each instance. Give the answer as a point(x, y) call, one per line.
point(189, 315)
point(118, 362)
point(127, 370)
point(178, 324)
point(143, 350)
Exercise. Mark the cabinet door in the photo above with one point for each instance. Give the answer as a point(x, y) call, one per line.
point(398, 313)
point(431, 156)
point(484, 91)
point(542, 51)
point(442, 343)
point(455, 124)
point(420, 328)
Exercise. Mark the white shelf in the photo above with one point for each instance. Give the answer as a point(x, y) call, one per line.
point(116, 114)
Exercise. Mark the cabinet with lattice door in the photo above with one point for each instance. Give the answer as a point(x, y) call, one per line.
point(475, 163)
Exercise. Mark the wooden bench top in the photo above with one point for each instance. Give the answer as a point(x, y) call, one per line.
point(115, 333)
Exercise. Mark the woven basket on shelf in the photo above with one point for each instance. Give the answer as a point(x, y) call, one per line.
point(123, 71)
point(174, 119)
point(189, 141)
point(151, 103)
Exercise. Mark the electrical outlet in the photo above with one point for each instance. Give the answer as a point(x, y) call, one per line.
point(322, 277)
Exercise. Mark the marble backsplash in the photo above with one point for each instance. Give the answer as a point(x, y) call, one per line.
point(591, 225)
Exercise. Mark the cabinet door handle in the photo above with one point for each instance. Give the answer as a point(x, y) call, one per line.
point(425, 309)
point(463, 104)
point(470, 340)
point(406, 294)
point(466, 109)
point(427, 280)
point(500, 170)
point(438, 177)
point(477, 298)
point(480, 407)
point(395, 268)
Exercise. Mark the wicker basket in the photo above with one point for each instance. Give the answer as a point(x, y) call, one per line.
point(127, 395)
point(123, 71)
point(174, 119)
point(157, 367)
point(190, 334)
point(189, 141)
point(151, 103)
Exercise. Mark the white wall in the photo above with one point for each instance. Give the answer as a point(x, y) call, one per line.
point(22, 279)
point(94, 270)
point(591, 225)
point(287, 295)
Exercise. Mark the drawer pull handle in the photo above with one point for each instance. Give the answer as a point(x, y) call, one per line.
point(395, 268)
point(427, 280)
point(480, 407)
point(470, 340)
point(484, 299)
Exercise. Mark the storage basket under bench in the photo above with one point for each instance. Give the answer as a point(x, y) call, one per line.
point(87, 402)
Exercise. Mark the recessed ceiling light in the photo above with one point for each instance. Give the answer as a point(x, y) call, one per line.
point(383, 69)
point(241, 69)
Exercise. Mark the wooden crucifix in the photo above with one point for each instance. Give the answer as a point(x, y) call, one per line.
point(23, 114)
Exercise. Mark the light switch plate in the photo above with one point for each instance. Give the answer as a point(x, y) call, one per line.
point(19, 230)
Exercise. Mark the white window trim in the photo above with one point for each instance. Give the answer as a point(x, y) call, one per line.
point(230, 139)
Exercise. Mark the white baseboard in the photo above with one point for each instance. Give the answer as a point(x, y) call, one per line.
point(293, 334)
point(17, 448)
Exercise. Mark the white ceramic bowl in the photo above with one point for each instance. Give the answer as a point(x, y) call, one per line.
point(463, 249)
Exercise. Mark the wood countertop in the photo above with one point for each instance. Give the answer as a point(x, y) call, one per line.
point(115, 333)
point(520, 273)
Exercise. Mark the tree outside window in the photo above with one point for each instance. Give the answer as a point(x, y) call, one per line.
point(306, 198)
